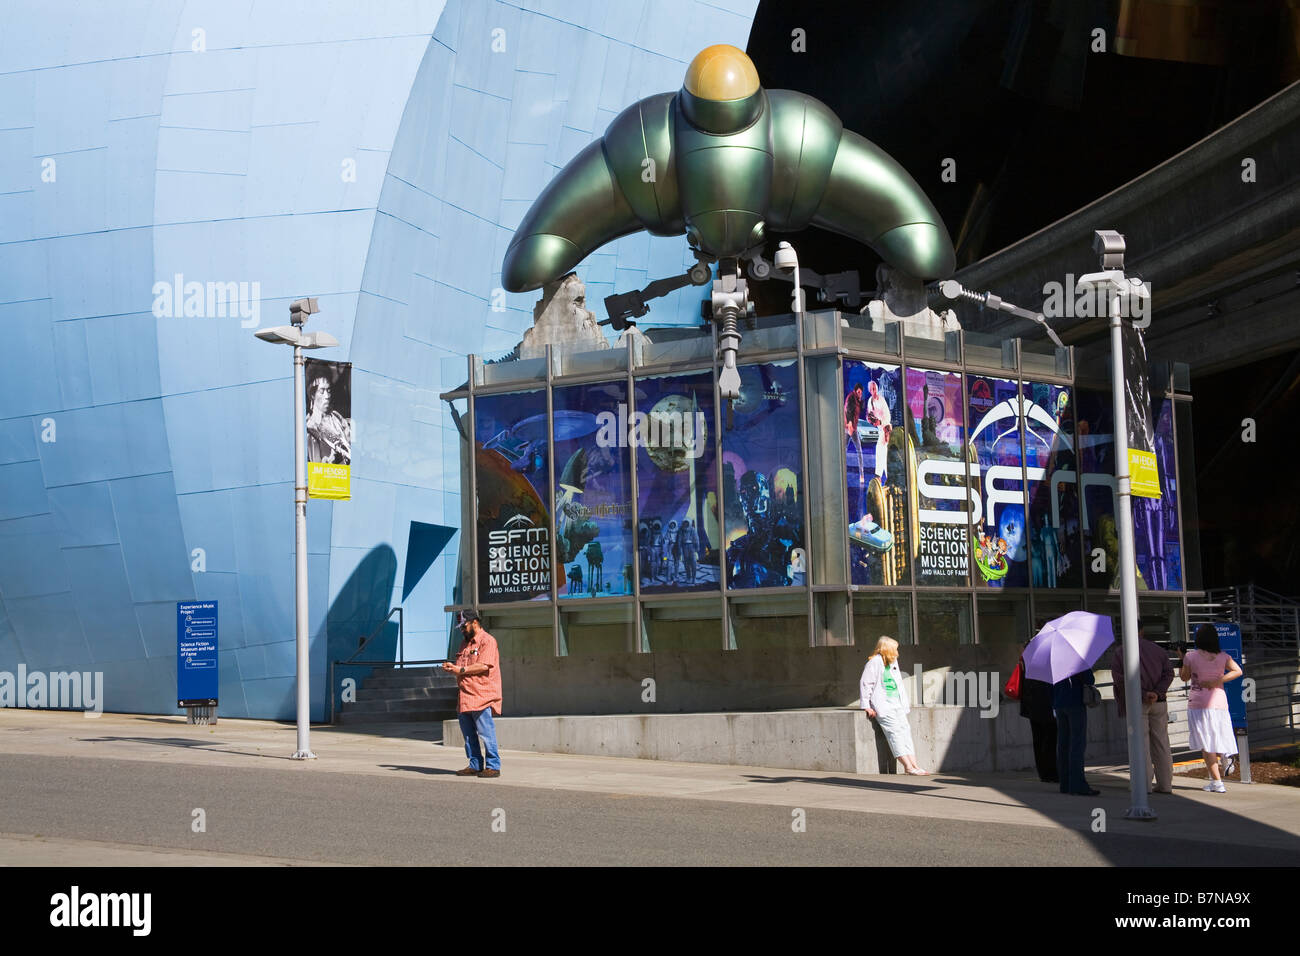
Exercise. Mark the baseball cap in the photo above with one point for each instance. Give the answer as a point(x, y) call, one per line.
point(464, 617)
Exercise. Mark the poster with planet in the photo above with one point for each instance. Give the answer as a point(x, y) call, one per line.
point(593, 492)
point(762, 485)
point(677, 485)
point(512, 456)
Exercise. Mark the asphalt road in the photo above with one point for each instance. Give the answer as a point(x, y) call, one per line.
point(427, 816)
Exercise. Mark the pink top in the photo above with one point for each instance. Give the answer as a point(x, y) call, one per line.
point(1206, 667)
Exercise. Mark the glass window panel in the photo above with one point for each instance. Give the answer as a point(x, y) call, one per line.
point(593, 491)
point(877, 615)
point(676, 473)
point(876, 449)
point(514, 552)
point(1096, 457)
point(1186, 489)
point(944, 620)
point(1053, 529)
point(936, 435)
point(762, 484)
point(1155, 520)
point(1000, 549)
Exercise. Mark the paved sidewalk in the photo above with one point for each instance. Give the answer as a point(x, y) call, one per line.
point(1259, 815)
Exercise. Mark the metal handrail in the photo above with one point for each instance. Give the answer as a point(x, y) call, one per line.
point(401, 649)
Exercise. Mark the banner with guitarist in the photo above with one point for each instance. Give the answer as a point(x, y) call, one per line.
point(329, 429)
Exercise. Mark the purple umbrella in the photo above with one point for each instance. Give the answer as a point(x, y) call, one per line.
point(1067, 646)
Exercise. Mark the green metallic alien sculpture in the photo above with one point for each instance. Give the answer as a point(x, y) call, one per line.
point(723, 161)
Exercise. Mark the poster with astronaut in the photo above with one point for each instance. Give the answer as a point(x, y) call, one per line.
point(761, 480)
point(593, 490)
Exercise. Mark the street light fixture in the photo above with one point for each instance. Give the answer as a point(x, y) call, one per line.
point(1116, 286)
point(293, 335)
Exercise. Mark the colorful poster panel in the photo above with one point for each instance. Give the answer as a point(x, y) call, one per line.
point(679, 527)
point(935, 418)
point(762, 483)
point(1155, 520)
point(1096, 457)
point(1050, 463)
point(876, 479)
point(1000, 543)
point(593, 491)
point(512, 459)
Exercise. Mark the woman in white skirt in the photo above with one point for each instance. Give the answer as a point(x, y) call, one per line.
point(884, 697)
point(1209, 724)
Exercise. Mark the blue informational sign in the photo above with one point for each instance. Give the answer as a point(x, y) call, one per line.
point(1230, 641)
point(196, 653)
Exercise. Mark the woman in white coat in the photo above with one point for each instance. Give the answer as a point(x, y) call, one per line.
point(884, 697)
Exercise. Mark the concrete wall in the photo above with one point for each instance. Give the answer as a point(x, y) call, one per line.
point(697, 680)
point(948, 739)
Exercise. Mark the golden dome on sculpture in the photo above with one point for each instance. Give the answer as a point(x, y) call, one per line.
point(721, 72)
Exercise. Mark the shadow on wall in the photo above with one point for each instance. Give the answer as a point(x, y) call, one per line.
point(360, 607)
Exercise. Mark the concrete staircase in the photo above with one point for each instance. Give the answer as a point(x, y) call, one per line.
point(402, 694)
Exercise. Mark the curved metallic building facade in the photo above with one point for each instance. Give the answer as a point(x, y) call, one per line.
point(376, 156)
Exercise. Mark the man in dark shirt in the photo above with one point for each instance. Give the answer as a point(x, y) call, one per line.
point(854, 406)
point(1156, 673)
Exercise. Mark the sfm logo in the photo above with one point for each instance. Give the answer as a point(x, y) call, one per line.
point(518, 530)
point(1003, 484)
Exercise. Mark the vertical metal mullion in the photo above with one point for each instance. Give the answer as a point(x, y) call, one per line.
point(472, 531)
point(966, 443)
point(842, 479)
point(722, 505)
point(636, 503)
point(1178, 507)
point(550, 505)
point(1178, 500)
point(1082, 554)
point(913, 591)
point(1021, 385)
point(803, 464)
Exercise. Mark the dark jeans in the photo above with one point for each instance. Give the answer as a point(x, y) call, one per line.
point(1071, 742)
point(1044, 732)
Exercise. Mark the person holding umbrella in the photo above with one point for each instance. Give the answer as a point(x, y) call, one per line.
point(1062, 654)
point(1036, 707)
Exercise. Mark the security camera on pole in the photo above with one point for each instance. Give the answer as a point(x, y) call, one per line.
point(293, 335)
point(1116, 287)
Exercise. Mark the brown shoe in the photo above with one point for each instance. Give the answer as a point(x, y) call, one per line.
point(467, 772)
point(489, 773)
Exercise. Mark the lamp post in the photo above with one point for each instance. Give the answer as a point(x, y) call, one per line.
point(1112, 281)
point(293, 335)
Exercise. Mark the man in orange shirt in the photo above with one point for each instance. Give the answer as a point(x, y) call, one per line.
point(478, 675)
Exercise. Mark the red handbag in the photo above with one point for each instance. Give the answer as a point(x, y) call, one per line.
point(1011, 689)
